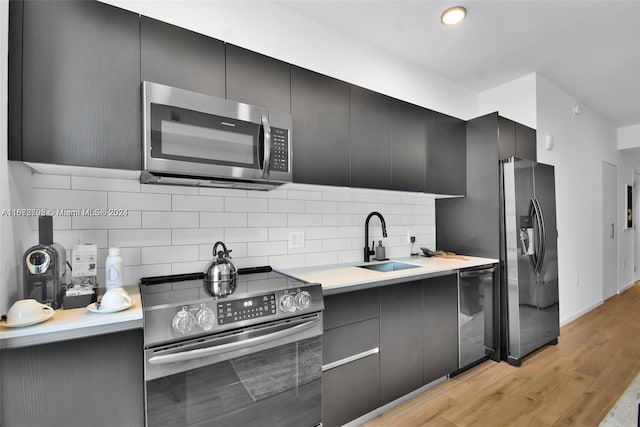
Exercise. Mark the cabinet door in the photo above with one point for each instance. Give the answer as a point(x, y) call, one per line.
point(320, 109)
point(177, 57)
point(370, 136)
point(257, 79)
point(408, 147)
point(350, 391)
point(440, 326)
point(81, 84)
point(401, 344)
point(446, 154)
point(506, 138)
point(525, 142)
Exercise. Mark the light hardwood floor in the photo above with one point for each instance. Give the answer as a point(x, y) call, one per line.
point(572, 384)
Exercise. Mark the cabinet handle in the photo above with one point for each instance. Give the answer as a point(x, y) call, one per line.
point(350, 359)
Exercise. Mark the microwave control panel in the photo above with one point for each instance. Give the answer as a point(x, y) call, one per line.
point(279, 150)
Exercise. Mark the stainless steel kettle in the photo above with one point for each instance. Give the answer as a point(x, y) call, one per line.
point(220, 276)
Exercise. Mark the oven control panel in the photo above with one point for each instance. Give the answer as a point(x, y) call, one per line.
point(246, 308)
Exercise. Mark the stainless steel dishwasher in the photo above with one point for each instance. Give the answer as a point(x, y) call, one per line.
point(476, 315)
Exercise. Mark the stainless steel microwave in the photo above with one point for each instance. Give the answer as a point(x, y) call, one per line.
point(195, 139)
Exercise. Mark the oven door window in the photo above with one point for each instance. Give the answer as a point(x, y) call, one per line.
point(187, 135)
point(280, 386)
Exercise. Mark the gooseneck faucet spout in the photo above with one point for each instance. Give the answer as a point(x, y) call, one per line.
point(368, 252)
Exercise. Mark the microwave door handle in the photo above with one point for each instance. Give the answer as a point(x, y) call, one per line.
point(266, 149)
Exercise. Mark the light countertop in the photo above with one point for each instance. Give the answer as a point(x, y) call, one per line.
point(75, 323)
point(346, 278)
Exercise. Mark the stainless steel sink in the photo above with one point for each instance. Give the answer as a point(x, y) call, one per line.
point(389, 266)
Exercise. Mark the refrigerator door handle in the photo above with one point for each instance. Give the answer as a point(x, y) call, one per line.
point(543, 231)
point(533, 213)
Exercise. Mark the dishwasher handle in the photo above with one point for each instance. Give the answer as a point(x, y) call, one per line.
point(478, 272)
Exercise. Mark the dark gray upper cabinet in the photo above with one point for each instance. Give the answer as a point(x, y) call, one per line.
point(400, 340)
point(14, 131)
point(320, 109)
point(408, 146)
point(181, 58)
point(525, 142)
point(257, 79)
point(446, 154)
point(370, 137)
point(440, 326)
point(515, 139)
point(80, 85)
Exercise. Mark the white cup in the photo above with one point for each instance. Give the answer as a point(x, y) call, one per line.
point(26, 310)
point(115, 298)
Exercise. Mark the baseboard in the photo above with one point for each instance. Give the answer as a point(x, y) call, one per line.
point(580, 314)
point(624, 288)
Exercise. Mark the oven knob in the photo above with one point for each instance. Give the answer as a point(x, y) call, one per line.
point(205, 318)
point(303, 300)
point(183, 321)
point(287, 303)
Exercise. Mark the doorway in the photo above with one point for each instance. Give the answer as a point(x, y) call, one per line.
point(636, 218)
point(609, 231)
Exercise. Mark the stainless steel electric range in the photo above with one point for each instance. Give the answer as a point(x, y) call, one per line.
point(253, 358)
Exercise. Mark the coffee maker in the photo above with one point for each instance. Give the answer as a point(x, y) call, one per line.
point(45, 267)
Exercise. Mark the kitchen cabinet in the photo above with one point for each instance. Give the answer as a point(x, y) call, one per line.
point(257, 79)
point(408, 147)
point(440, 326)
point(515, 139)
point(446, 154)
point(401, 346)
point(80, 84)
point(370, 138)
point(95, 381)
point(320, 109)
point(350, 356)
point(181, 58)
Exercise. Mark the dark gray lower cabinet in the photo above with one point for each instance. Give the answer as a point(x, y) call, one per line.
point(440, 326)
point(95, 381)
point(400, 340)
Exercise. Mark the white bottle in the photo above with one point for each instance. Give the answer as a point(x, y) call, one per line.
point(114, 269)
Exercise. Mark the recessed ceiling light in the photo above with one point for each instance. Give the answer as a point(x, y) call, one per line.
point(453, 15)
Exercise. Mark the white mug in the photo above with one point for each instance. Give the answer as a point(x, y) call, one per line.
point(115, 298)
point(26, 310)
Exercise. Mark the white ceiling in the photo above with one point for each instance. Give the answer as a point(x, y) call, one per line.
point(589, 48)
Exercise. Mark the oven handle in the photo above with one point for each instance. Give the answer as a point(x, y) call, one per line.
point(225, 348)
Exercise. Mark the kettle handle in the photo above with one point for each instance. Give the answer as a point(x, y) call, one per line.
point(225, 251)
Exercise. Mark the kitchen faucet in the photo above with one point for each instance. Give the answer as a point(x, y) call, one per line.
point(367, 251)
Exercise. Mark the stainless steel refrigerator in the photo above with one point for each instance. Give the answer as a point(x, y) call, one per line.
point(528, 251)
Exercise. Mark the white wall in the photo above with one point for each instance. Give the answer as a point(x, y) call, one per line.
point(515, 100)
point(299, 40)
point(629, 137)
point(581, 143)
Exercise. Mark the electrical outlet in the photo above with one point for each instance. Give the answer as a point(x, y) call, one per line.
point(296, 240)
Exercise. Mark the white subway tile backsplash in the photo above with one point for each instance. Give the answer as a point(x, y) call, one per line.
point(168, 189)
point(139, 201)
point(287, 206)
point(104, 184)
point(255, 249)
point(246, 235)
point(51, 181)
point(171, 229)
point(267, 219)
point(132, 219)
point(236, 204)
point(235, 219)
point(139, 238)
point(302, 220)
point(68, 199)
point(181, 202)
point(168, 254)
point(196, 236)
point(170, 220)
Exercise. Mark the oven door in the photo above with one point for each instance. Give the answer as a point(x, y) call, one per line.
point(266, 375)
